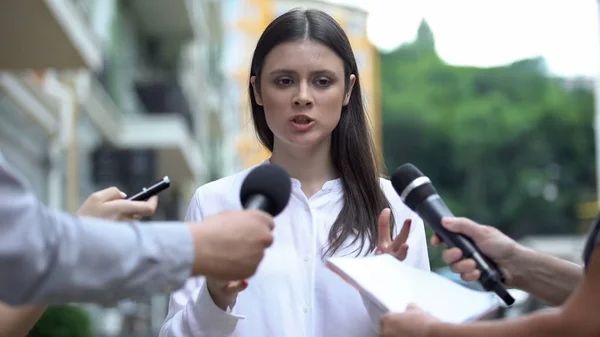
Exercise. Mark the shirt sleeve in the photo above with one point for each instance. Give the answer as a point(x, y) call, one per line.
point(51, 257)
point(192, 311)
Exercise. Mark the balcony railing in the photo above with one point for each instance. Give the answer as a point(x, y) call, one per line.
point(84, 7)
point(165, 97)
point(131, 169)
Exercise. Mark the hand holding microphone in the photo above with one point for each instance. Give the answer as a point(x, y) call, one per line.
point(493, 243)
point(266, 190)
point(418, 193)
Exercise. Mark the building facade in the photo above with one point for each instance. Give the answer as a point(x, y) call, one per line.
point(245, 20)
point(98, 93)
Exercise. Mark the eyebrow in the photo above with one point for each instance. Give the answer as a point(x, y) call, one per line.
point(312, 73)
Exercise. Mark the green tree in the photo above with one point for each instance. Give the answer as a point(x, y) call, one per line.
point(63, 321)
point(509, 146)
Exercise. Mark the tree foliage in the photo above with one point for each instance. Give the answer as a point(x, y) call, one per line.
point(508, 146)
point(63, 321)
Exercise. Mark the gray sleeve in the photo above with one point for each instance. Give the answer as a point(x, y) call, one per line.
point(51, 257)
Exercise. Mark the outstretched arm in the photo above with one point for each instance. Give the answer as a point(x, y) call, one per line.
point(547, 277)
point(578, 317)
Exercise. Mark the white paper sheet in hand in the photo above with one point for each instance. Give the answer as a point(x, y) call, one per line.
point(392, 285)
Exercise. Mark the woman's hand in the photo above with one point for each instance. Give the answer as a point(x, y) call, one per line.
point(224, 293)
point(397, 248)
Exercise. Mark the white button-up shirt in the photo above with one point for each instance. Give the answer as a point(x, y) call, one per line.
point(293, 293)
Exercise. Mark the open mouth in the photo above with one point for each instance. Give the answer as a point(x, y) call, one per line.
point(301, 120)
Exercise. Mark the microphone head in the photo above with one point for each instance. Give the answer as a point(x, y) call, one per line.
point(412, 185)
point(270, 181)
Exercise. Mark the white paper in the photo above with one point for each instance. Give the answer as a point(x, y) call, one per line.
point(392, 285)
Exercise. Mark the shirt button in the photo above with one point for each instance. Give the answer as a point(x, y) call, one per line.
point(305, 310)
point(306, 258)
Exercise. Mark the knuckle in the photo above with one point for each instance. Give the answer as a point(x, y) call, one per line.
point(461, 220)
point(112, 192)
point(472, 276)
point(462, 268)
point(96, 196)
point(448, 256)
point(149, 208)
point(268, 240)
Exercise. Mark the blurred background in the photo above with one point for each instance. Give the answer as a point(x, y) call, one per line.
point(494, 100)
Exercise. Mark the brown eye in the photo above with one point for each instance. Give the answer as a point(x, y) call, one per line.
point(323, 81)
point(284, 81)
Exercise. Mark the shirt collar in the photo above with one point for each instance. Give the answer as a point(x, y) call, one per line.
point(330, 185)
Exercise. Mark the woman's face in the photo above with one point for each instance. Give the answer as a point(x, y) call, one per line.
point(302, 91)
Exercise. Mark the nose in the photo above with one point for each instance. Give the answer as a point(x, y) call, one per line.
point(303, 97)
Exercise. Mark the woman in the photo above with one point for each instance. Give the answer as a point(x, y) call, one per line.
point(308, 111)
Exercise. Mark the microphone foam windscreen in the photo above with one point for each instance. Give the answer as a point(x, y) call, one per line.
point(270, 181)
point(405, 175)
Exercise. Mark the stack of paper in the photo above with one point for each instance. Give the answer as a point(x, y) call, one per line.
point(392, 285)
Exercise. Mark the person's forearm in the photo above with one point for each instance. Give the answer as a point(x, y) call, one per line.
point(548, 278)
point(548, 323)
point(67, 259)
point(18, 321)
point(132, 260)
point(49, 257)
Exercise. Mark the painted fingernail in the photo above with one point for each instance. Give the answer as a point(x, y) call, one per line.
point(244, 284)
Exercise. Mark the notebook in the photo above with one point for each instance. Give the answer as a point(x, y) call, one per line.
point(392, 285)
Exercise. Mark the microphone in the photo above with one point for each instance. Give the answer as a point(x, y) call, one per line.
point(267, 187)
point(418, 193)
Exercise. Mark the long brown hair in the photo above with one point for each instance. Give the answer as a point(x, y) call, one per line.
point(352, 149)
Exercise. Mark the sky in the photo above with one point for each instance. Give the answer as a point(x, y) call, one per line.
point(493, 32)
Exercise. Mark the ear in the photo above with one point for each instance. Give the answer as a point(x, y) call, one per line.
point(349, 92)
point(255, 90)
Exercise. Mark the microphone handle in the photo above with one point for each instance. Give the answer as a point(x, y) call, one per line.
point(257, 201)
point(432, 210)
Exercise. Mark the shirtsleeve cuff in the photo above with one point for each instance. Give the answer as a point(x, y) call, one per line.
point(218, 322)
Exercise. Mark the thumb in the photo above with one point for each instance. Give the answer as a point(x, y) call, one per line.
point(234, 287)
point(385, 237)
point(464, 226)
point(411, 306)
point(108, 194)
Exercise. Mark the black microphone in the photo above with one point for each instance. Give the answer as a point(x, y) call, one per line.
point(418, 193)
point(267, 187)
